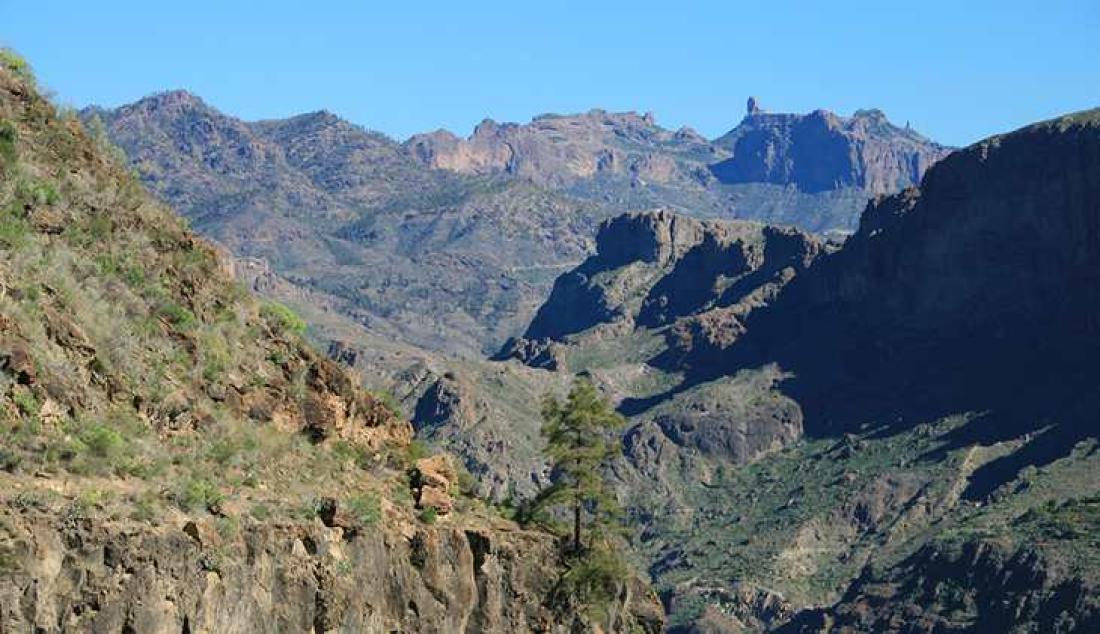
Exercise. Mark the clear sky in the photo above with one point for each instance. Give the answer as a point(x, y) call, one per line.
point(957, 70)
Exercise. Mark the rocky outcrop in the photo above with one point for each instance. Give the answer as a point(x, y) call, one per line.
point(80, 575)
point(558, 151)
point(816, 152)
point(433, 479)
point(729, 610)
point(821, 151)
point(654, 269)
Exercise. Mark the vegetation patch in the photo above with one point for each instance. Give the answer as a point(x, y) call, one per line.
point(282, 319)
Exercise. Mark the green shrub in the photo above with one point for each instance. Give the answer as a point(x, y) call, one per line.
point(216, 356)
point(429, 515)
point(282, 319)
point(222, 451)
point(27, 403)
point(227, 527)
point(198, 493)
point(387, 399)
point(133, 275)
point(344, 451)
point(178, 315)
point(416, 450)
point(13, 232)
point(594, 579)
point(466, 484)
point(146, 508)
point(15, 63)
point(367, 509)
point(10, 460)
point(103, 441)
point(37, 193)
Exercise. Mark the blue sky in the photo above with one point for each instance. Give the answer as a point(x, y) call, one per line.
point(958, 70)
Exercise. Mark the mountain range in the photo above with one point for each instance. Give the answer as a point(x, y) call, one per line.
point(857, 366)
point(473, 231)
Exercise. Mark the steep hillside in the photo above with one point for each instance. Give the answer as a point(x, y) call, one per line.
point(175, 458)
point(916, 408)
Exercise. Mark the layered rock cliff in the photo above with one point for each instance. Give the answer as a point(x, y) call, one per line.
point(89, 574)
point(558, 151)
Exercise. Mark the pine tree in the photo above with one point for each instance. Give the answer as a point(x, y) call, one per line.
point(581, 440)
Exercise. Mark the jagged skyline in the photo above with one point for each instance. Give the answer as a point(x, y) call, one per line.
point(403, 70)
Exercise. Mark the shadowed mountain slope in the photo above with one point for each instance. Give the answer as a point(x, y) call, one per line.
point(939, 369)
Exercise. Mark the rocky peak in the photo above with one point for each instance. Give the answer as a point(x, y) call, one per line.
point(821, 151)
point(653, 268)
point(172, 101)
point(652, 236)
point(562, 150)
point(753, 107)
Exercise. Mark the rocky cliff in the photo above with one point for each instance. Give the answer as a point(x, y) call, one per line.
point(558, 151)
point(821, 151)
point(627, 157)
point(656, 269)
point(986, 271)
point(88, 574)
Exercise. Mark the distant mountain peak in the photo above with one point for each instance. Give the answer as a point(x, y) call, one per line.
point(171, 99)
point(822, 151)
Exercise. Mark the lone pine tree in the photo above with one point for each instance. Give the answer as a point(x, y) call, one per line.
point(580, 443)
